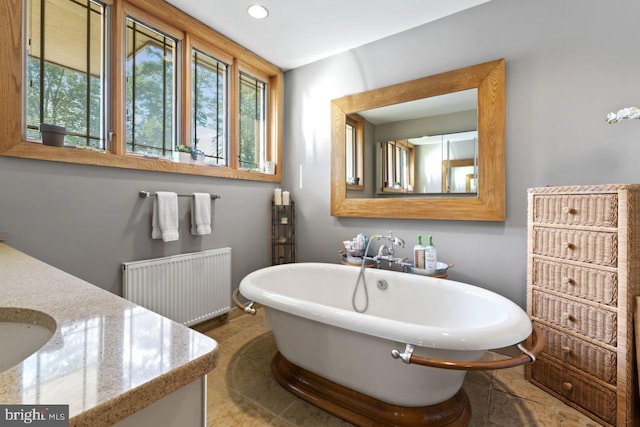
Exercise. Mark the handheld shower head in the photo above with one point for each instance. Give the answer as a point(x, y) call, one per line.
point(398, 241)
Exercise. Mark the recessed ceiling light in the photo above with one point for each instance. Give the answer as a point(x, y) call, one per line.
point(258, 11)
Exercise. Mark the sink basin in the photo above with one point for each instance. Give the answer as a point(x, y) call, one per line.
point(22, 333)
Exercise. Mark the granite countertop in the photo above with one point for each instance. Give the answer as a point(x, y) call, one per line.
point(108, 357)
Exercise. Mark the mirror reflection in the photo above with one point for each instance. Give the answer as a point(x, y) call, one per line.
point(450, 163)
point(396, 167)
point(428, 165)
point(424, 147)
point(354, 141)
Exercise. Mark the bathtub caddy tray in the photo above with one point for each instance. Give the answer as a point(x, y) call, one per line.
point(363, 410)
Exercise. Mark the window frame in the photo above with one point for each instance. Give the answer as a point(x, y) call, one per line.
point(272, 143)
point(357, 123)
point(203, 46)
point(163, 16)
point(262, 145)
point(41, 59)
point(144, 19)
point(392, 164)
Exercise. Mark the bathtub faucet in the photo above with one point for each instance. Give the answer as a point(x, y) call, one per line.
point(393, 239)
point(386, 251)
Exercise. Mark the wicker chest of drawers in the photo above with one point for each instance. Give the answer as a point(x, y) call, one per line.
point(583, 272)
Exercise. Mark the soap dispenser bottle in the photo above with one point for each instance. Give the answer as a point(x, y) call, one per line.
point(430, 257)
point(418, 254)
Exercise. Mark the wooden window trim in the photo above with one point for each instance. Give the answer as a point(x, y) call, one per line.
point(357, 122)
point(12, 143)
point(410, 149)
point(272, 146)
point(455, 163)
point(145, 19)
point(150, 20)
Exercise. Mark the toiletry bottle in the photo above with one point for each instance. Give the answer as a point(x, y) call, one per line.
point(431, 257)
point(418, 254)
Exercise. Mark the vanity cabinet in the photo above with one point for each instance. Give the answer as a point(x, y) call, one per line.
point(583, 273)
point(283, 233)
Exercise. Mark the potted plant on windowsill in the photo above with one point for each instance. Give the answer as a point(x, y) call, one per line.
point(184, 154)
point(53, 135)
point(190, 155)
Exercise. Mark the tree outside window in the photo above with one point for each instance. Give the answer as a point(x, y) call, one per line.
point(65, 69)
point(209, 107)
point(127, 93)
point(150, 83)
point(253, 93)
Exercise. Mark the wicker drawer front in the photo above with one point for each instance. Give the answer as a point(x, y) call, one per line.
point(586, 246)
point(583, 319)
point(588, 283)
point(596, 210)
point(592, 397)
point(590, 358)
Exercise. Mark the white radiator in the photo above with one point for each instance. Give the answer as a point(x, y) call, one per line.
point(188, 288)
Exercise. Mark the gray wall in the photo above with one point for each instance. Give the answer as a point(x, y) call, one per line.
point(460, 121)
point(87, 220)
point(568, 64)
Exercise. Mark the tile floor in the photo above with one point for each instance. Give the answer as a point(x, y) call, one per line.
point(242, 392)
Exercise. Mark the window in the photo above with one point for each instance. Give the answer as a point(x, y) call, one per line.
point(397, 165)
point(150, 76)
point(355, 152)
point(65, 69)
point(252, 122)
point(133, 80)
point(351, 153)
point(209, 107)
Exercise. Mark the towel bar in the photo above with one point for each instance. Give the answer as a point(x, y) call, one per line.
point(145, 194)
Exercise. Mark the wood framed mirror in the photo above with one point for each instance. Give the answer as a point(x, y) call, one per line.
point(487, 203)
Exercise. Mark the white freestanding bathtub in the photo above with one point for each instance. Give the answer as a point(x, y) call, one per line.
point(309, 307)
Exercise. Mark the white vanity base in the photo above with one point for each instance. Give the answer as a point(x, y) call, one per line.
point(184, 407)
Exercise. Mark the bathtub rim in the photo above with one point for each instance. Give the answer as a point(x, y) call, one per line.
point(515, 328)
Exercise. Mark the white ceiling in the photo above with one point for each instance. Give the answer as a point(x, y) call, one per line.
point(298, 32)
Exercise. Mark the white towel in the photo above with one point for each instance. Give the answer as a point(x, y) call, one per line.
point(165, 217)
point(201, 214)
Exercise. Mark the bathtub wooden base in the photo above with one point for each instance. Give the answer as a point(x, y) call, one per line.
point(363, 410)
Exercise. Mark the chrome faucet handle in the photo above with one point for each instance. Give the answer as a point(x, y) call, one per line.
point(396, 240)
